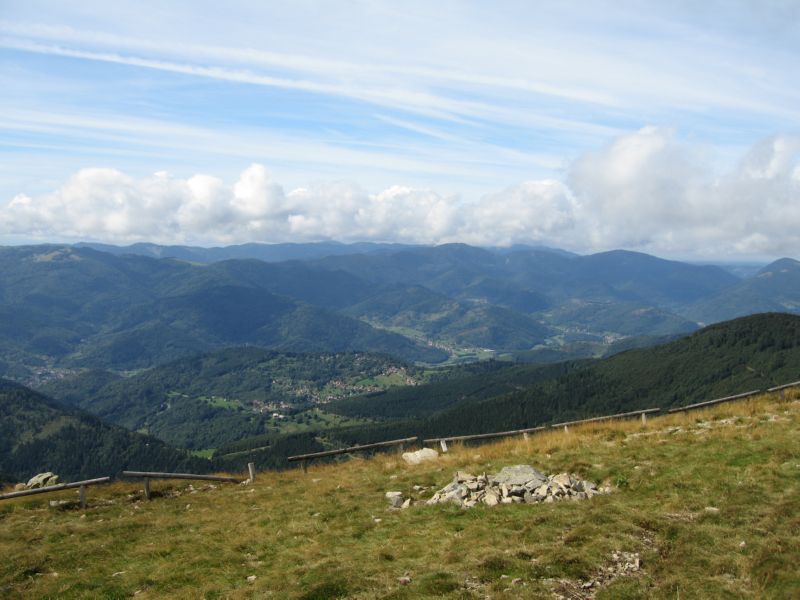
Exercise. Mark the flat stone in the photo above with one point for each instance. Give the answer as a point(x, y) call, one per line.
point(519, 475)
point(462, 476)
point(562, 479)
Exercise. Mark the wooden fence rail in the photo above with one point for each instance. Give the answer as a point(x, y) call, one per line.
point(715, 401)
point(481, 436)
point(634, 413)
point(307, 457)
point(779, 388)
point(81, 485)
point(148, 475)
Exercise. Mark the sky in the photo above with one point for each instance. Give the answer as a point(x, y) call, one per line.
point(666, 127)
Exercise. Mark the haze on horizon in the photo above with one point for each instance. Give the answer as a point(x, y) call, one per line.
point(661, 127)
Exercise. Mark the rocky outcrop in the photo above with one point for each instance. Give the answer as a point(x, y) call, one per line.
point(517, 484)
point(42, 480)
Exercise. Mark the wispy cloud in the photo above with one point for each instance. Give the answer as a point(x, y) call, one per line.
point(461, 97)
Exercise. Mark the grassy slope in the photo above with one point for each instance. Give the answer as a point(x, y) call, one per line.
point(328, 533)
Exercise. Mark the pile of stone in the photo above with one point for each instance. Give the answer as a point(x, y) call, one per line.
point(517, 484)
point(38, 481)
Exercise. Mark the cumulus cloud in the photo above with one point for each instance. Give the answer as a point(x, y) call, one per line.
point(646, 190)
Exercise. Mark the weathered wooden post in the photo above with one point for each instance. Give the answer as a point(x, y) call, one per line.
point(305, 466)
point(251, 470)
point(82, 495)
point(644, 418)
point(147, 488)
point(566, 429)
point(443, 444)
point(525, 435)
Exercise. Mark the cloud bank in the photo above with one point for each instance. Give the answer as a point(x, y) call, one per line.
point(646, 190)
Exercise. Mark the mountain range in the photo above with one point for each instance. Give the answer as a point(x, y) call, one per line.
point(67, 308)
point(215, 400)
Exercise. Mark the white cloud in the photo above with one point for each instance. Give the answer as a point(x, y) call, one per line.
point(646, 190)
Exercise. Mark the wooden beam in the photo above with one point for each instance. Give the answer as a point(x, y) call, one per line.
point(150, 475)
point(54, 488)
point(633, 413)
point(481, 436)
point(352, 449)
point(779, 388)
point(715, 401)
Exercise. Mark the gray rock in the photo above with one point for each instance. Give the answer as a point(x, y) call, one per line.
point(519, 475)
point(42, 480)
point(395, 499)
point(420, 456)
point(462, 476)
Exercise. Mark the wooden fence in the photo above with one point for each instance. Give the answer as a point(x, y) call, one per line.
point(148, 475)
point(81, 485)
point(636, 413)
point(305, 458)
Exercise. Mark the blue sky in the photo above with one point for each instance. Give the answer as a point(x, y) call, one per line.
point(588, 125)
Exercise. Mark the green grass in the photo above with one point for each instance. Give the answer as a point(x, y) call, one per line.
point(205, 453)
point(328, 533)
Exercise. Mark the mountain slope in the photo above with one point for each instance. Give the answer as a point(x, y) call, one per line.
point(753, 352)
point(68, 306)
point(38, 434)
point(444, 319)
point(775, 288)
point(216, 398)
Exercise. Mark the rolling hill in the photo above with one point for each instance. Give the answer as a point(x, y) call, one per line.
point(216, 398)
point(38, 434)
point(749, 353)
point(775, 288)
point(77, 307)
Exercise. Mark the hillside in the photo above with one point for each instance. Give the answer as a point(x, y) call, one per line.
point(216, 398)
point(749, 353)
point(37, 434)
point(776, 287)
point(63, 307)
point(707, 502)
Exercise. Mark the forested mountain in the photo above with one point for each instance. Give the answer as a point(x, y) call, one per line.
point(264, 252)
point(80, 307)
point(38, 434)
point(776, 287)
point(73, 307)
point(753, 352)
point(222, 396)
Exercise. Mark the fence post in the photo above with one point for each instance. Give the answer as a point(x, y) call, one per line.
point(443, 444)
point(147, 488)
point(82, 495)
point(566, 429)
point(644, 419)
point(251, 470)
point(525, 435)
point(305, 466)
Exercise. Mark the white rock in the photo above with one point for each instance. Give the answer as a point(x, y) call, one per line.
point(419, 456)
